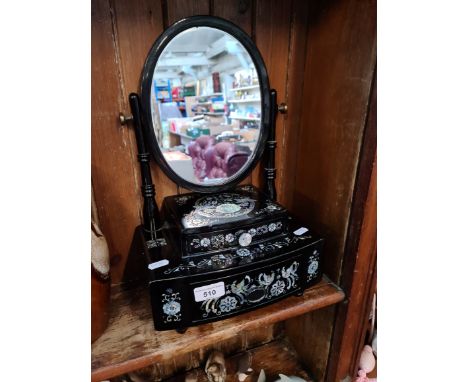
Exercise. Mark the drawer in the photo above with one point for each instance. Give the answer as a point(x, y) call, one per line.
point(218, 240)
point(247, 290)
point(235, 291)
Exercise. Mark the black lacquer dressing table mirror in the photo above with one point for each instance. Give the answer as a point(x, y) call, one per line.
point(206, 115)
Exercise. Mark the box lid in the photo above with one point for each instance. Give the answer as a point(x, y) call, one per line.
point(195, 212)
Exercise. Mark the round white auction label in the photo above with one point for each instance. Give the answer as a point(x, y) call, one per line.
point(245, 239)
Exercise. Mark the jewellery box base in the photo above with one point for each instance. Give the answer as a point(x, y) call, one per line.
point(182, 297)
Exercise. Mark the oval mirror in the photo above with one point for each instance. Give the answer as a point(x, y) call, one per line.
point(206, 103)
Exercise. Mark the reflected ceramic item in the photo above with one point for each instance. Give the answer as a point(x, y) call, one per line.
point(261, 376)
point(366, 365)
point(289, 378)
point(244, 366)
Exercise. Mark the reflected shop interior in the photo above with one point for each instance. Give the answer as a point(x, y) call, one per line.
point(206, 105)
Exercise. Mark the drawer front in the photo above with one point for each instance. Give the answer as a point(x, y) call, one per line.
point(175, 306)
point(243, 236)
point(247, 290)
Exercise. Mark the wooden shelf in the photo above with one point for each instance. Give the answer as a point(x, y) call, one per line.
point(274, 358)
point(130, 341)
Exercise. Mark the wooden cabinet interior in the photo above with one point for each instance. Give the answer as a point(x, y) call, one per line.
point(321, 58)
point(339, 70)
point(130, 342)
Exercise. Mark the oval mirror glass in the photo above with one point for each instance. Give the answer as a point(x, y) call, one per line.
point(207, 108)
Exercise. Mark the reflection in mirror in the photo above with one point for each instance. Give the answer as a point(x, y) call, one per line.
point(206, 105)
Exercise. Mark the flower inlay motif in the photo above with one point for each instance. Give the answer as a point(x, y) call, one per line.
point(268, 285)
point(227, 304)
point(277, 288)
point(171, 308)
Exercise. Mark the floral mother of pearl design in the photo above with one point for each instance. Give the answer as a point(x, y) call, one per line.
point(264, 286)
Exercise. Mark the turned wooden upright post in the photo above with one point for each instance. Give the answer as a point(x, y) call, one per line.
point(151, 219)
point(270, 170)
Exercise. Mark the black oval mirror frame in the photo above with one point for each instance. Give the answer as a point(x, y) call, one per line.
point(146, 83)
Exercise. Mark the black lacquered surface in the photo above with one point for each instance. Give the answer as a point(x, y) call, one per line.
point(237, 257)
point(194, 212)
point(269, 273)
point(207, 224)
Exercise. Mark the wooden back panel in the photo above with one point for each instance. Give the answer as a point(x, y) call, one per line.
point(338, 77)
point(123, 33)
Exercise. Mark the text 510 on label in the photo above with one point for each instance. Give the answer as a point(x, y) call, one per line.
point(208, 292)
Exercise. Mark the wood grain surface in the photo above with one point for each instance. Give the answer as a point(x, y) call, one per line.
point(272, 37)
point(239, 12)
point(178, 9)
point(340, 62)
point(356, 265)
point(288, 125)
point(113, 173)
point(356, 315)
point(338, 74)
point(130, 341)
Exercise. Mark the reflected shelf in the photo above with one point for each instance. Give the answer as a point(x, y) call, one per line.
point(244, 100)
point(209, 95)
point(245, 118)
point(210, 113)
point(245, 88)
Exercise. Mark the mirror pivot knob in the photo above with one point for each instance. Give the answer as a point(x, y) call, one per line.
point(283, 108)
point(123, 119)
